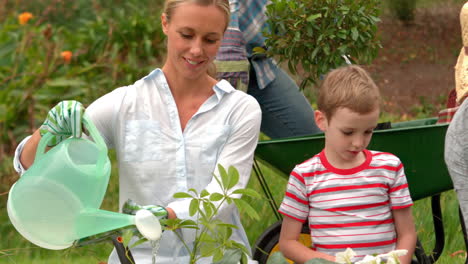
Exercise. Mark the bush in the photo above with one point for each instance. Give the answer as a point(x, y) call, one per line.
point(105, 48)
point(316, 34)
point(403, 10)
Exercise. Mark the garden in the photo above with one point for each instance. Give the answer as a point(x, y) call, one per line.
point(53, 50)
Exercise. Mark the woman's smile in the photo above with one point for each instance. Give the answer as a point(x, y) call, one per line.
point(194, 62)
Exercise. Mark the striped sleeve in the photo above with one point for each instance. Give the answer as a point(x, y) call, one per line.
point(295, 202)
point(399, 192)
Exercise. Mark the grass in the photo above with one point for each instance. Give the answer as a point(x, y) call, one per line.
point(453, 236)
point(15, 249)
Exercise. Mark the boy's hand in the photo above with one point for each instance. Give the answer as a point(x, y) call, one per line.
point(131, 207)
point(63, 121)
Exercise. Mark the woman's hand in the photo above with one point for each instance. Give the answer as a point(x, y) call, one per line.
point(130, 207)
point(63, 121)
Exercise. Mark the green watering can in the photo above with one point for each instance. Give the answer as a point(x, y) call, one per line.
point(57, 200)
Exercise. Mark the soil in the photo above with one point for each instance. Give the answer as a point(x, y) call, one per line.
point(415, 67)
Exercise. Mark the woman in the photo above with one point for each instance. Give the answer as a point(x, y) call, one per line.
point(171, 128)
point(456, 138)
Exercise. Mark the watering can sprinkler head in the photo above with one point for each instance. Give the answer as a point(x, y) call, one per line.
point(148, 224)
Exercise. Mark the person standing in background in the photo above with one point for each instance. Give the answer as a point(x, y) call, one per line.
point(286, 112)
point(456, 138)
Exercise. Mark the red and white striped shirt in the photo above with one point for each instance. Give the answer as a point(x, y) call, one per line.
point(348, 207)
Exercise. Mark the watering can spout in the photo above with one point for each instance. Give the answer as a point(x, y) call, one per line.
point(94, 221)
point(143, 222)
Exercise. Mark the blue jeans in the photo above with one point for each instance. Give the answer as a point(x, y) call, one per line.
point(285, 110)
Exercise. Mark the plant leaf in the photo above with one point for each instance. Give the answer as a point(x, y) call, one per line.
point(319, 261)
point(138, 242)
point(216, 197)
point(354, 33)
point(224, 176)
point(193, 208)
point(248, 192)
point(179, 195)
point(126, 237)
point(60, 82)
point(204, 193)
point(277, 258)
point(247, 208)
point(314, 17)
point(230, 256)
point(208, 207)
point(233, 177)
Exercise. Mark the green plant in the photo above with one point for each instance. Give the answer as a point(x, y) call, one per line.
point(212, 236)
point(105, 48)
point(314, 35)
point(424, 109)
point(403, 10)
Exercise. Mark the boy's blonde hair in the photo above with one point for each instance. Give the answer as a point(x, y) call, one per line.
point(351, 87)
point(223, 5)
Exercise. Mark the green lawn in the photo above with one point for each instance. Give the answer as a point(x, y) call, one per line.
point(15, 249)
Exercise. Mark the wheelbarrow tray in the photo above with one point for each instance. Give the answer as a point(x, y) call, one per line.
point(419, 144)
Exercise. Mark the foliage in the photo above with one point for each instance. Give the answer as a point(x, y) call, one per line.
point(403, 10)
point(212, 236)
point(425, 108)
point(77, 50)
point(315, 35)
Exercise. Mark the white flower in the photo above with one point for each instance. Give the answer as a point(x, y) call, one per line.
point(398, 252)
point(369, 260)
point(393, 259)
point(345, 257)
point(392, 256)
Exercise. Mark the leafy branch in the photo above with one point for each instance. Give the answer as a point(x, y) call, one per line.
point(314, 35)
point(212, 236)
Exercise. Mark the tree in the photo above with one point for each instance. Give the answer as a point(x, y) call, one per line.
point(316, 34)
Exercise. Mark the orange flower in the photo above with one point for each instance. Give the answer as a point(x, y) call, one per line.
point(66, 56)
point(24, 17)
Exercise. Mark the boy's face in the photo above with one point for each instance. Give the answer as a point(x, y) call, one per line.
point(347, 134)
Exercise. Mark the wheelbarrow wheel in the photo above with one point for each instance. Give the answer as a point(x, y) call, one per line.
point(268, 242)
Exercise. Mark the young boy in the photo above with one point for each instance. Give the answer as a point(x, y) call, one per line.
point(351, 197)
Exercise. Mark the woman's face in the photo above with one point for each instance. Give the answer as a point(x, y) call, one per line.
point(194, 35)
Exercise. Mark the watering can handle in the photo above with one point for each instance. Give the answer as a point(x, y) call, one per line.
point(93, 132)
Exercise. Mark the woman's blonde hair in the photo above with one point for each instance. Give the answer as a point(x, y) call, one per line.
point(223, 5)
point(351, 87)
